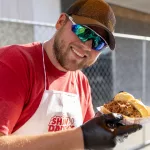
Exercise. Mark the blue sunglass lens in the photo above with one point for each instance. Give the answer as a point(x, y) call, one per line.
point(86, 34)
point(98, 43)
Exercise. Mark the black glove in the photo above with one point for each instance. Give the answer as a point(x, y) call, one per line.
point(103, 132)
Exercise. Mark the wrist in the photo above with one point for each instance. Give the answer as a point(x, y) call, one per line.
point(78, 138)
point(73, 138)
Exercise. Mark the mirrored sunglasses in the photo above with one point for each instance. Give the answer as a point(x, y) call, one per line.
point(85, 33)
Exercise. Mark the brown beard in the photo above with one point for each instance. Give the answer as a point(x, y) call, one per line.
point(60, 52)
point(58, 46)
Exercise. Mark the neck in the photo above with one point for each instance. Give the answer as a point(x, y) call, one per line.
point(48, 47)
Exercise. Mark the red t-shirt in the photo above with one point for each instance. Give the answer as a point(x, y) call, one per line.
point(22, 85)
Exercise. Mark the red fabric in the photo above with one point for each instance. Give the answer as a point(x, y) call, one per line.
point(22, 85)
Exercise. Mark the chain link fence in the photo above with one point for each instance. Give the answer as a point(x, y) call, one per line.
point(125, 69)
point(100, 77)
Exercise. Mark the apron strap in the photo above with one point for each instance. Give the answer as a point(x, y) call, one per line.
point(76, 85)
point(44, 66)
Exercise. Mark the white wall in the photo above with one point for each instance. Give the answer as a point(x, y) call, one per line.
point(46, 10)
point(33, 10)
point(16, 9)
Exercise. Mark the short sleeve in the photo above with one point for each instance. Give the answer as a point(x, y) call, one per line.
point(13, 88)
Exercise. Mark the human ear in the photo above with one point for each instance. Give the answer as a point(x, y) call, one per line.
point(61, 21)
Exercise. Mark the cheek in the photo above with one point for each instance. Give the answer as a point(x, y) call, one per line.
point(70, 37)
point(67, 39)
point(64, 36)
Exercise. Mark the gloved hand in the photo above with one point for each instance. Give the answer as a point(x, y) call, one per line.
point(104, 131)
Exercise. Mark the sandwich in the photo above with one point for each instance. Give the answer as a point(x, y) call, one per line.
point(126, 104)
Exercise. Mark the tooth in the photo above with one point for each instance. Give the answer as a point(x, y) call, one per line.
point(77, 53)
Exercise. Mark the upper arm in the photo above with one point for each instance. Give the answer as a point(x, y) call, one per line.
point(12, 90)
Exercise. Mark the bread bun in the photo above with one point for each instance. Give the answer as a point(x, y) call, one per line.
point(148, 108)
point(104, 110)
point(124, 96)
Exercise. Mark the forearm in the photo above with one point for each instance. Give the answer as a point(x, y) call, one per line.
point(64, 140)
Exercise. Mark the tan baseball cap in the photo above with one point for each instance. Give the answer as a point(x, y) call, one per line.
point(96, 13)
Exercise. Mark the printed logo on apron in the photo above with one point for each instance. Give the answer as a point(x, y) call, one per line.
point(57, 111)
point(60, 123)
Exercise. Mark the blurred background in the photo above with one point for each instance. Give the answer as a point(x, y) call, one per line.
point(125, 69)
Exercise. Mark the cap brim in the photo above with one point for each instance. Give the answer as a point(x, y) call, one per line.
point(91, 22)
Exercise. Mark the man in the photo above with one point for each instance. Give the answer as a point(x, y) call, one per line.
point(42, 89)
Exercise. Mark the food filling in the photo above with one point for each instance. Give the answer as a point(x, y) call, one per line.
point(123, 108)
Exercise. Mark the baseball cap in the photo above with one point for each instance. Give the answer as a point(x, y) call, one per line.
point(97, 14)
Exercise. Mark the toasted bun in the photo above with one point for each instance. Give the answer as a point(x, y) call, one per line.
point(124, 96)
point(104, 110)
point(148, 108)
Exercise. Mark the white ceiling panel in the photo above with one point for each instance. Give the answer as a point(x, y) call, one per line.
point(140, 5)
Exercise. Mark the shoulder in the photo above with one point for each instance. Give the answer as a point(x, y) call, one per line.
point(19, 48)
point(16, 54)
point(20, 59)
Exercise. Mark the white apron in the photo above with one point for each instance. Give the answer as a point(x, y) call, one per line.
point(57, 111)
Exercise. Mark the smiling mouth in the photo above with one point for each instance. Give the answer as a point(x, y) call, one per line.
point(77, 53)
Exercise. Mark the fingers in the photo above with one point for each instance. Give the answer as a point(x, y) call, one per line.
point(98, 114)
point(127, 129)
point(113, 118)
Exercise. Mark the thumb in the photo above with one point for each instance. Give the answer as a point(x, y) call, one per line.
point(113, 118)
point(98, 114)
point(127, 129)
